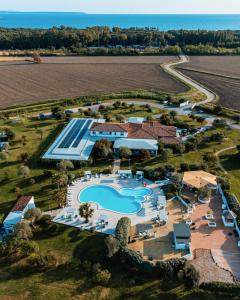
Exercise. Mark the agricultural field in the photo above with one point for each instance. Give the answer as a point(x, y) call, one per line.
point(56, 78)
point(223, 65)
point(226, 88)
point(219, 73)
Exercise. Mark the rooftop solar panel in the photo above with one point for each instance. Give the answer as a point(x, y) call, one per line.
point(81, 134)
point(72, 134)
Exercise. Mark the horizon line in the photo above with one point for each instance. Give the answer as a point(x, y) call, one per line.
point(117, 13)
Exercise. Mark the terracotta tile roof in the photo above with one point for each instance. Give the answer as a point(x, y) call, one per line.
point(107, 127)
point(170, 140)
point(153, 130)
point(21, 203)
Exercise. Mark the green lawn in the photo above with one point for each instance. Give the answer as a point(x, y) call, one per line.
point(67, 281)
point(230, 160)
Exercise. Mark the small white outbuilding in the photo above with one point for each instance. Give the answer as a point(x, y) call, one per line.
point(17, 213)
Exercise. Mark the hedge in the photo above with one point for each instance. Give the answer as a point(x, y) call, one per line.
point(218, 286)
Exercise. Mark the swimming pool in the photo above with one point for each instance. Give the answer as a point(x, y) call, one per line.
point(125, 200)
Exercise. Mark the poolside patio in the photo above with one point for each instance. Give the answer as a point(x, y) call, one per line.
point(160, 246)
point(148, 211)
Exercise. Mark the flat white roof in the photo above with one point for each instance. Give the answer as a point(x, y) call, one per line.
point(136, 120)
point(124, 172)
point(136, 144)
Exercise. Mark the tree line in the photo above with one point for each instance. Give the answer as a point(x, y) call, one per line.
point(115, 40)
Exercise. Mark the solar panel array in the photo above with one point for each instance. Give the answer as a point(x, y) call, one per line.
point(81, 133)
point(72, 134)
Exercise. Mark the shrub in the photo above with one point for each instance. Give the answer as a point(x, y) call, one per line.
point(112, 245)
point(102, 277)
point(23, 230)
point(122, 231)
point(191, 276)
point(135, 259)
point(219, 287)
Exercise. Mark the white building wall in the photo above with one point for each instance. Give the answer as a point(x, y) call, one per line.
point(108, 134)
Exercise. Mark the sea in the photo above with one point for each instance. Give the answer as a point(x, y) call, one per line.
point(82, 20)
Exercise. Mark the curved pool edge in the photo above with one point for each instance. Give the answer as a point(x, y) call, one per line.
point(99, 207)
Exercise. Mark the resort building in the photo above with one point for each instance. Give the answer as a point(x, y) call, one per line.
point(181, 236)
point(79, 137)
point(17, 213)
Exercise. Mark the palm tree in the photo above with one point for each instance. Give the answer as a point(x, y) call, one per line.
point(85, 211)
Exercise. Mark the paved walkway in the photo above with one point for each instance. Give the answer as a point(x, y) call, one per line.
point(116, 165)
point(223, 150)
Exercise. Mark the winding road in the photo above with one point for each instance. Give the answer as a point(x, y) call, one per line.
point(169, 68)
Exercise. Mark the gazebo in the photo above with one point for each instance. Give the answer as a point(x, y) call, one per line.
point(199, 179)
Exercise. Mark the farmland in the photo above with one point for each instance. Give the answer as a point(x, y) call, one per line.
point(219, 73)
point(227, 89)
point(224, 65)
point(56, 78)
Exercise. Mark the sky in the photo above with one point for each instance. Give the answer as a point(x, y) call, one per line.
point(126, 6)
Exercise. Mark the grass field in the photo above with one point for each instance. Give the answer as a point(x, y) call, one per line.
point(67, 281)
point(57, 78)
point(230, 160)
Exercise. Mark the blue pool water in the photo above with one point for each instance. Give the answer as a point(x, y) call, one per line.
point(126, 200)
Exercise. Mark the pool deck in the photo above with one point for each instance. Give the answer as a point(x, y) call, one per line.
point(112, 217)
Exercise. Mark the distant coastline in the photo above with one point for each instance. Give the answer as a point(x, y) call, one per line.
point(83, 20)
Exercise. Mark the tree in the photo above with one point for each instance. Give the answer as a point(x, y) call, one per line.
point(23, 230)
point(122, 231)
point(60, 197)
point(4, 155)
point(9, 133)
point(165, 154)
point(24, 156)
point(85, 211)
point(176, 180)
point(144, 154)
point(180, 148)
point(60, 180)
point(65, 165)
point(102, 148)
point(191, 276)
point(40, 132)
point(24, 140)
point(33, 215)
point(219, 123)
point(112, 245)
point(173, 114)
point(102, 277)
point(125, 152)
point(210, 158)
point(24, 171)
point(120, 118)
point(204, 193)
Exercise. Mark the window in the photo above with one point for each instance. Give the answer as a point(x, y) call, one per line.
point(122, 133)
